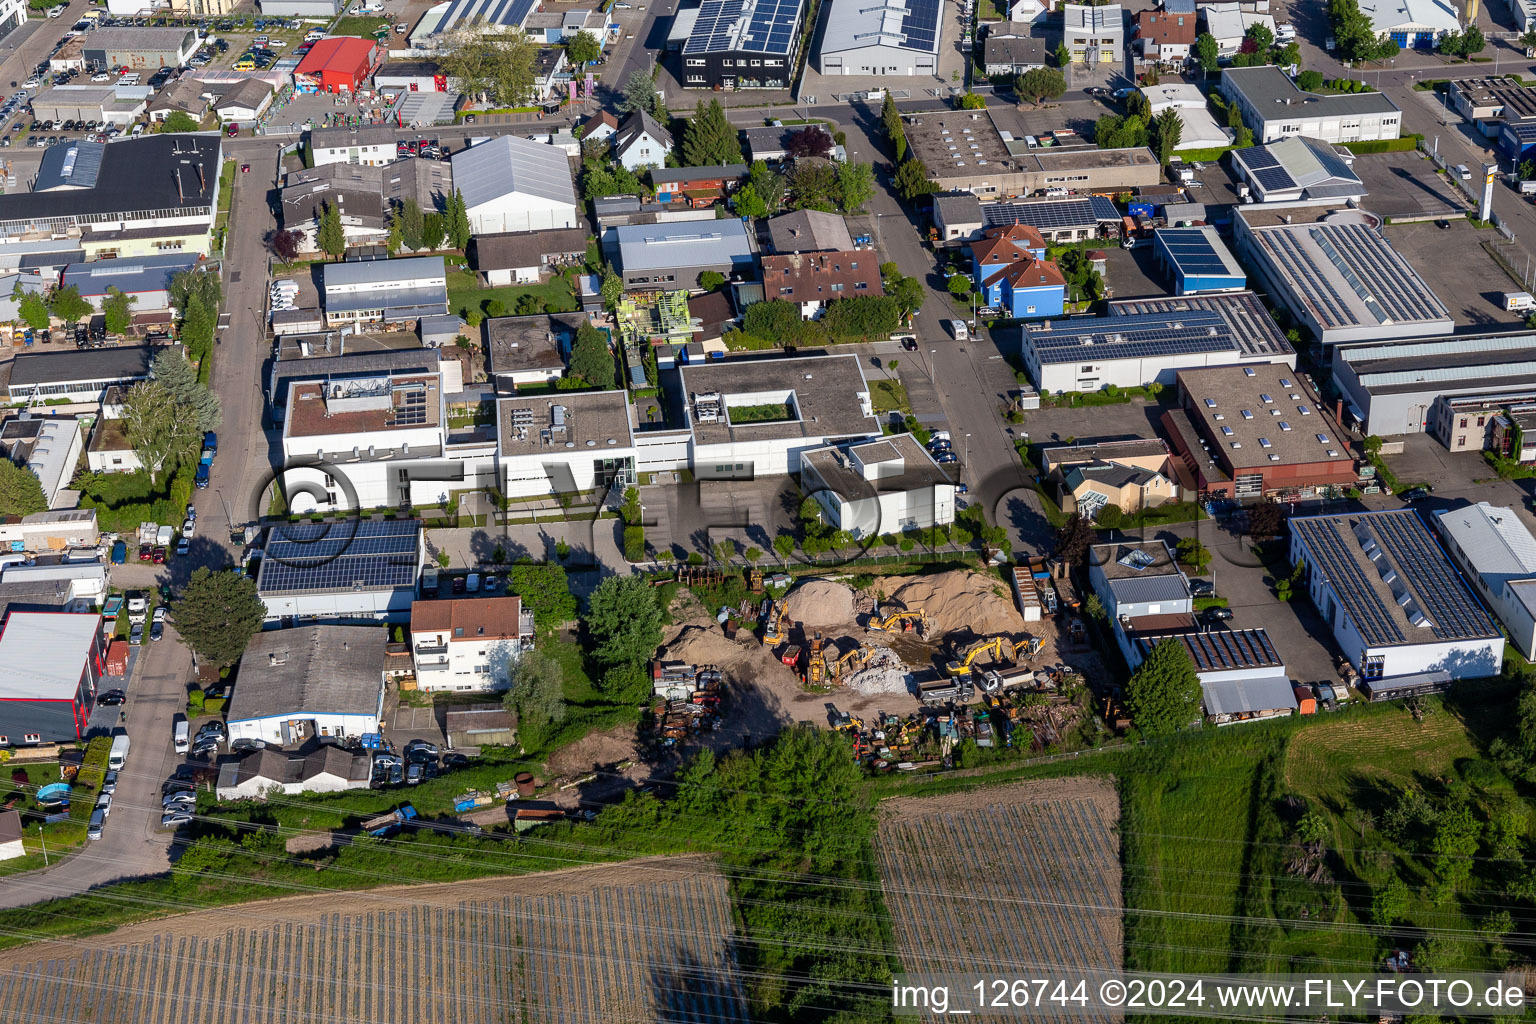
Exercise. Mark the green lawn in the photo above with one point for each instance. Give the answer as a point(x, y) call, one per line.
point(771, 412)
point(359, 25)
point(890, 395)
point(465, 293)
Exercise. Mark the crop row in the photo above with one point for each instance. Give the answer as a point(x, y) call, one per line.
point(1012, 889)
point(613, 954)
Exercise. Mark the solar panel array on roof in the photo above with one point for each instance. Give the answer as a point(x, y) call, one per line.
point(756, 26)
point(506, 13)
point(1126, 337)
point(920, 27)
point(349, 555)
point(1049, 216)
point(1191, 251)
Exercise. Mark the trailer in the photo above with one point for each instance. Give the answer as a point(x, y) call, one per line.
point(388, 824)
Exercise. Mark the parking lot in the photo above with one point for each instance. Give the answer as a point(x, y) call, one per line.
point(1133, 273)
point(1404, 186)
point(1472, 285)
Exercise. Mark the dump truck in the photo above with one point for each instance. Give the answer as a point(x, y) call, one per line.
point(388, 824)
point(937, 691)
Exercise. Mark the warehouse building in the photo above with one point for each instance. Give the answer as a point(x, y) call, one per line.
point(888, 38)
point(1257, 431)
point(147, 279)
point(384, 290)
point(341, 64)
point(1075, 219)
point(1273, 108)
point(524, 257)
point(1497, 555)
point(139, 47)
point(515, 184)
point(1198, 260)
point(49, 446)
point(445, 18)
point(1412, 24)
point(1336, 274)
point(83, 375)
point(1399, 610)
point(1409, 387)
point(309, 682)
point(372, 579)
point(114, 104)
point(1198, 128)
point(1300, 170)
point(743, 44)
point(134, 197)
point(877, 487)
point(665, 257)
point(53, 663)
point(1136, 578)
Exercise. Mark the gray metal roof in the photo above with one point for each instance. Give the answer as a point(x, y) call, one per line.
point(898, 24)
point(409, 268)
point(1271, 92)
point(1248, 696)
point(136, 274)
point(683, 244)
point(507, 164)
point(310, 669)
point(108, 364)
point(44, 654)
point(1492, 540)
point(1150, 589)
point(76, 165)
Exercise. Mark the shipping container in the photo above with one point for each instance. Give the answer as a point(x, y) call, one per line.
point(117, 657)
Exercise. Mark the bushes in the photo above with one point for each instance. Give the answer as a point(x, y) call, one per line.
point(124, 500)
point(1405, 144)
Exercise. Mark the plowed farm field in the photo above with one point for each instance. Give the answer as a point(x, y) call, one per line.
point(1018, 880)
point(615, 944)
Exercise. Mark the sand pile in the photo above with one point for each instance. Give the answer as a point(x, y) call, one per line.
point(883, 673)
point(820, 603)
point(962, 600)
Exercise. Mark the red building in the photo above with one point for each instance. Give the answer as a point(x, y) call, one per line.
point(338, 64)
point(1255, 431)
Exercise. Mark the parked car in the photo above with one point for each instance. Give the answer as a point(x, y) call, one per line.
point(104, 805)
point(156, 631)
point(136, 635)
point(413, 774)
point(244, 744)
point(182, 547)
point(1216, 614)
point(175, 819)
point(454, 759)
point(112, 698)
point(109, 782)
point(1202, 588)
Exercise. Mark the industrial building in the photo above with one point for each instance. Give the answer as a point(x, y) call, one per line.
point(1497, 555)
point(665, 257)
point(140, 47)
point(1273, 107)
point(1198, 260)
point(309, 682)
point(1094, 35)
point(566, 443)
point(115, 104)
point(1399, 609)
point(1257, 431)
point(338, 64)
point(1197, 127)
point(515, 184)
point(146, 278)
point(79, 376)
point(1135, 578)
point(964, 151)
point(372, 578)
point(134, 197)
point(391, 291)
point(743, 44)
point(1337, 275)
point(527, 350)
point(49, 446)
point(888, 39)
point(877, 487)
point(1300, 170)
point(1143, 341)
point(53, 663)
point(1076, 219)
point(1409, 387)
point(1412, 24)
point(445, 18)
point(1496, 421)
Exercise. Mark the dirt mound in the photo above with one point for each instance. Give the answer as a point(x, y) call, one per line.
point(962, 600)
point(820, 603)
point(883, 673)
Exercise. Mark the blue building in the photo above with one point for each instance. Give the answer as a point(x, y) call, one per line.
point(1198, 261)
point(1011, 272)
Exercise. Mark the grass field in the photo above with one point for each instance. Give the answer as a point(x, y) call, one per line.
point(359, 25)
point(890, 395)
point(465, 293)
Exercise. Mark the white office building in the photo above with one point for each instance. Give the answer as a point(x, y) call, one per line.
point(879, 486)
point(1497, 554)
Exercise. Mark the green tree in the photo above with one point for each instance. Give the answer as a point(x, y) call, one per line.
point(591, 358)
point(895, 129)
point(1260, 38)
point(813, 186)
point(709, 138)
point(1073, 540)
point(855, 186)
point(1307, 81)
point(432, 228)
point(971, 101)
point(410, 217)
point(66, 304)
point(1194, 554)
point(639, 93)
point(1040, 84)
point(536, 695)
point(456, 222)
point(959, 286)
point(783, 546)
point(1167, 132)
point(157, 427)
point(1109, 517)
point(911, 180)
point(583, 48)
point(21, 493)
point(196, 401)
point(498, 66)
point(179, 121)
point(217, 614)
point(612, 288)
point(907, 291)
point(331, 237)
point(1207, 53)
point(1063, 56)
point(1094, 608)
point(199, 322)
point(33, 311)
point(624, 620)
point(1389, 903)
point(768, 184)
point(748, 203)
point(545, 589)
point(1528, 40)
point(1163, 694)
point(115, 311)
point(709, 280)
point(629, 683)
point(1137, 105)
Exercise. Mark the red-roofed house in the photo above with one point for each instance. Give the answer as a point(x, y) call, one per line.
point(338, 64)
point(1010, 270)
point(814, 279)
point(1165, 37)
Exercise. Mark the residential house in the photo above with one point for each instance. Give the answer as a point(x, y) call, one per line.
point(1229, 24)
point(641, 141)
point(264, 773)
point(1010, 49)
point(469, 644)
point(529, 350)
point(526, 257)
point(1011, 272)
point(814, 279)
point(11, 845)
point(1164, 37)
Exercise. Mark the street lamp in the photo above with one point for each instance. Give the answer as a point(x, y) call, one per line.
point(932, 355)
point(967, 461)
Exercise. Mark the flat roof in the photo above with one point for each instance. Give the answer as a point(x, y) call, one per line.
point(1130, 336)
point(566, 423)
point(354, 555)
point(682, 244)
point(1345, 273)
point(835, 465)
point(1198, 252)
point(153, 172)
point(364, 405)
point(44, 654)
point(1509, 94)
point(898, 24)
point(1079, 212)
point(122, 362)
point(516, 343)
point(751, 26)
point(1105, 451)
point(391, 271)
point(831, 397)
point(1271, 92)
point(1134, 559)
point(1246, 316)
point(953, 141)
point(1262, 415)
point(345, 138)
point(323, 670)
point(1393, 580)
point(672, 175)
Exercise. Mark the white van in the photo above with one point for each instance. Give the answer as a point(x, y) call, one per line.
point(960, 330)
point(181, 739)
point(1463, 173)
point(119, 754)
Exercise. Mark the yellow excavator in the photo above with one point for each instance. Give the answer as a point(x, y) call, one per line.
point(1000, 647)
point(815, 666)
point(854, 659)
point(775, 628)
point(905, 621)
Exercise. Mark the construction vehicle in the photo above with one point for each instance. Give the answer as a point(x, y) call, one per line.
point(754, 579)
point(842, 721)
point(1031, 645)
point(776, 626)
point(815, 667)
point(904, 621)
point(854, 659)
point(999, 646)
